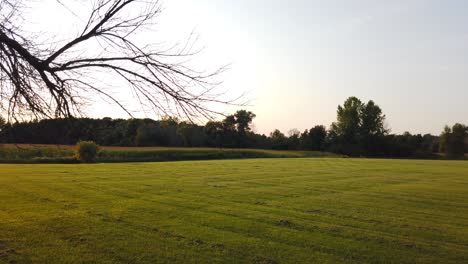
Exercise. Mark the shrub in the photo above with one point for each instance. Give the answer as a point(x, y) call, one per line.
point(86, 151)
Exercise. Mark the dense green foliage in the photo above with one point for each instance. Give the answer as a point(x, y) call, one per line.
point(86, 151)
point(358, 131)
point(453, 141)
point(240, 211)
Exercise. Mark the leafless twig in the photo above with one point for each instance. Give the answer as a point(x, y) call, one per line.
point(54, 82)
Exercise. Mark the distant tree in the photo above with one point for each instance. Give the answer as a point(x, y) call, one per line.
point(243, 120)
point(430, 144)
point(259, 141)
point(215, 132)
point(191, 134)
point(278, 140)
point(372, 129)
point(315, 138)
point(147, 135)
point(229, 123)
point(359, 128)
point(130, 131)
point(348, 121)
point(444, 139)
point(408, 145)
point(294, 132)
point(185, 131)
point(171, 132)
point(452, 141)
point(168, 135)
point(460, 133)
point(236, 127)
point(294, 142)
point(466, 145)
point(371, 120)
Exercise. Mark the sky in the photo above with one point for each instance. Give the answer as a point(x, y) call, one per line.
point(297, 60)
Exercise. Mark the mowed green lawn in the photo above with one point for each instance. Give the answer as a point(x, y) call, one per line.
point(236, 211)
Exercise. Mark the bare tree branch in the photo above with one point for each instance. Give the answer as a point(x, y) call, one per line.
point(55, 82)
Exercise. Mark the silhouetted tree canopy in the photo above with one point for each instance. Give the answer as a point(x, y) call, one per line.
point(243, 119)
point(369, 137)
point(359, 128)
point(278, 140)
point(348, 120)
point(314, 139)
point(453, 141)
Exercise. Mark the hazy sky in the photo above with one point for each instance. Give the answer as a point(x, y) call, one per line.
point(299, 59)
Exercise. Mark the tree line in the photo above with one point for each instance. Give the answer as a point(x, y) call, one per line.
point(359, 130)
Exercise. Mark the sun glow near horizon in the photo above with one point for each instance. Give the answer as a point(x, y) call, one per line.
point(298, 60)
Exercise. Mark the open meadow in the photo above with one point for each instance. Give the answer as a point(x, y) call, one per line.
point(262, 132)
point(236, 211)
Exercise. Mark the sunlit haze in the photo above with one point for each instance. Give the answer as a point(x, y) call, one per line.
point(298, 60)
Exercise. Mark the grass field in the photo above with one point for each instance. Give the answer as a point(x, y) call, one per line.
point(27, 153)
point(236, 211)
